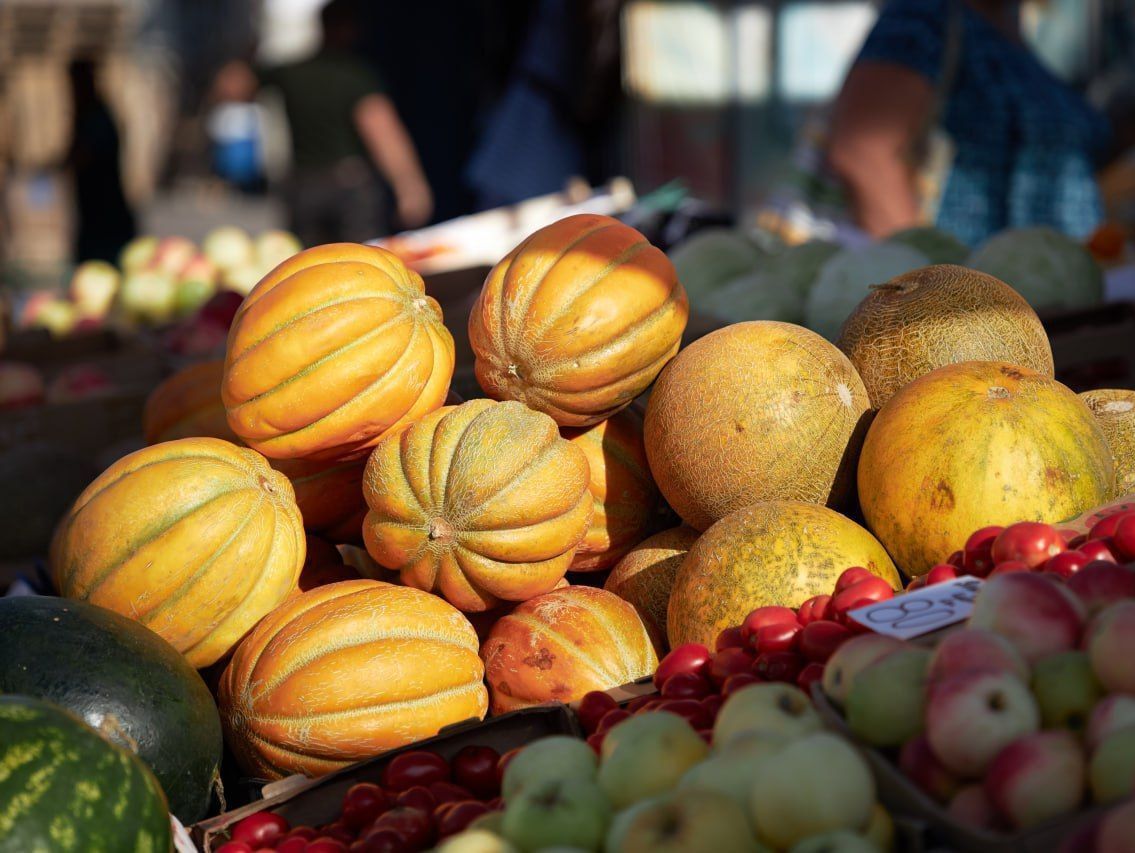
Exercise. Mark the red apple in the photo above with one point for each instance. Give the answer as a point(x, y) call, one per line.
point(1101, 583)
point(975, 650)
point(819, 640)
point(21, 385)
point(417, 797)
point(1037, 778)
point(1110, 714)
point(592, 707)
point(971, 807)
point(1037, 616)
point(1111, 646)
point(972, 717)
point(79, 382)
point(689, 657)
point(1031, 542)
point(919, 763)
point(362, 804)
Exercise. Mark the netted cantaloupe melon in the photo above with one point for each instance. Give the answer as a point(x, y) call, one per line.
point(754, 411)
point(769, 553)
point(939, 315)
point(1114, 409)
point(645, 576)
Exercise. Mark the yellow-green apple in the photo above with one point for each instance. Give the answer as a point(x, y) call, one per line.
point(1111, 714)
point(646, 755)
point(840, 841)
point(93, 288)
point(918, 763)
point(972, 807)
point(571, 812)
point(79, 382)
point(149, 295)
point(1036, 778)
point(685, 822)
point(851, 658)
point(880, 829)
point(818, 783)
point(490, 821)
point(558, 756)
point(172, 255)
point(770, 708)
point(1111, 771)
point(274, 247)
point(478, 840)
point(229, 247)
point(1035, 613)
point(1111, 645)
point(195, 286)
point(20, 385)
point(732, 771)
point(975, 650)
point(51, 312)
point(1066, 690)
point(972, 717)
point(137, 253)
point(1102, 583)
point(242, 279)
point(885, 707)
point(1116, 833)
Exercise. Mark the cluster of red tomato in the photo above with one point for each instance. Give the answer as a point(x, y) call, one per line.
point(422, 799)
point(1029, 546)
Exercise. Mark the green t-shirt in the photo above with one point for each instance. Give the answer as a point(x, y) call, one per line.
point(319, 96)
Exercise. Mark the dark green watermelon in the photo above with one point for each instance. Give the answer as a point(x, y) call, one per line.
point(64, 788)
point(122, 679)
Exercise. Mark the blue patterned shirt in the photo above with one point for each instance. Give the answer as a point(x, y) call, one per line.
point(1025, 142)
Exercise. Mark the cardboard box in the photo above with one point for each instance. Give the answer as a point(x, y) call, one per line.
point(312, 802)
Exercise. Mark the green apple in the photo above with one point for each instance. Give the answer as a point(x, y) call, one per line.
point(840, 841)
point(853, 657)
point(622, 822)
point(228, 247)
point(733, 771)
point(819, 783)
point(685, 822)
point(137, 253)
point(555, 757)
point(646, 755)
point(1111, 772)
point(490, 822)
point(93, 288)
point(1066, 690)
point(475, 841)
point(774, 709)
point(550, 812)
point(149, 295)
point(887, 701)
point(275, 247)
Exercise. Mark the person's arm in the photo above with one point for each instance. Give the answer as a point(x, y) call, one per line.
point(878, 116)
point(393, 152)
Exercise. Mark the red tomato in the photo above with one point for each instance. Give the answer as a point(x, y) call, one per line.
point(640, 702)
point(235, 847)
point(591, 709)
point(916, 583)
point(706, 735)
point(850, 576)
point(1010, 567)
point(940, 574)
point(305, 832)
point(777, 638)
point(417, 767)
point(1105, 527)
point(459, 816)
point(338, 831)
point(382, 841)
point(712, 704)
point(1065, 564)
point(447, 792)
point(260, 829)
point(779, 666)
point(809, 675)
point(977, 556)
point(507, 757)
point(815, 608)
point(362, 804)
point(1098, 549)
point(414, 825)
point(686, 685)
point(859, 594)
point(419, 797)
point(688, 657)
point(820, 640)
point(690, 710)
point(957, 559)
point(762, 616)
point(1031, 542)
point(293, 844)
point(729, 662)
point(612, 719)
point(730, 638)
point(595, 741)
point(475, 768)
point(735, 682)
point(1123, 537)
point(325, 844)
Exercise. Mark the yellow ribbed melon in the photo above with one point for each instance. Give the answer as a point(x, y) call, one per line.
point(976, 444)
point(773, 552)
point(940, 315)
point(1114, 409)
point(752, 412)
point(645, 576)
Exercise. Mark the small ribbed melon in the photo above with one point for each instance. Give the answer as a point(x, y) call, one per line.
point(1114, 409)
point(940, 315)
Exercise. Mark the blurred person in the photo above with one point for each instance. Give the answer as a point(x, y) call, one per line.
point(346, 138)
point(104, 220)
point(1025, 145)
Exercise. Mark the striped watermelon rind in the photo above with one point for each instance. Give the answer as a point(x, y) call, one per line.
point(63, 788)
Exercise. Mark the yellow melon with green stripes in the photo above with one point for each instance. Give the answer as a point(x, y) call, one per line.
point(197, 539)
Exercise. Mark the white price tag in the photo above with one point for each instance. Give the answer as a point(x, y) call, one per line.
point(922, 611)
point(182, 843)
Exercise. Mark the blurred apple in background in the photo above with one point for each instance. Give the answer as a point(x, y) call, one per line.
point(242, 279)
point(1116, 832)
point(51, 312)
point(196, 285)
point(229, 247)
point(1111, 645)
point(685, 822)
point(21, 385)
point(1037, 778)
point(975, 650)
point(137, 253)
point(93, 288)
point(779, 710)
point(972, 807)
point(918, 763)
point(885, 707)
point(1111, 770)
point(172, 255)
point(1066, 690)
point(1101, 583)
point(850, 659)
point(1038, 615)
point(274, 247)
point(79, 382)
point(1111, 714)
point(149, 295)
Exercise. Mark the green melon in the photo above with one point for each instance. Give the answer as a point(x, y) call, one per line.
point(123, 680)
point(939, 247)
point(64, 788)
point(1046, 267)
point(711, 257)
point(775, 290)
